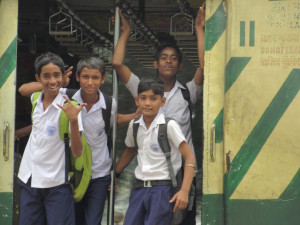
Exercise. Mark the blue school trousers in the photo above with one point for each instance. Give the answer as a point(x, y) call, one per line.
point(90, 210)
point(150, 206)
point(55, 205)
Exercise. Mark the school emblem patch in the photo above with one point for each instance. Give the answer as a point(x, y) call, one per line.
point(51, 130)
point(155, 147)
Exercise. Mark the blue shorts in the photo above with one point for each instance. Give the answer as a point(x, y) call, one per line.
point(150, 206)
point(54, 205)
point(90, 210)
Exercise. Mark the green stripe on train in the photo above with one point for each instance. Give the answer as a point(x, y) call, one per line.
point(6, 199)
point(8, 61)
point(212, 211)
point(234, 68)
point(241, 212)
point(215, 26)
point(292, 190)
point(263, 212)
point(261, 132)
point(219, 127)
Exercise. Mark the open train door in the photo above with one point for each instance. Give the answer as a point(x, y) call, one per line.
point(8, 58)
point(261, 124)
point(212, 210)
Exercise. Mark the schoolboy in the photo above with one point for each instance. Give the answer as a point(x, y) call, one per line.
point(154, 205)
point(168, 61)
point(44, 193)
point(90, 74)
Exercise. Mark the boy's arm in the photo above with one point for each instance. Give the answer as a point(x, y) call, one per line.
point(126, 157)
point(72, 112)
point(28, 89)
point(22, 132)
point(200, 31)
point(198, 77)
point(119, 52)
point(126, 118)
point(181, 197)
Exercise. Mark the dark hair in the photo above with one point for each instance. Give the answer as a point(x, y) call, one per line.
point(45, 59)
point(156, 85)
point(168, 45)
point(91, 63)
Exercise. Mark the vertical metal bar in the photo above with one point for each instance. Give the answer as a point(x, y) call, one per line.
point(115, 95)
point(5, 141)
point(142, 10)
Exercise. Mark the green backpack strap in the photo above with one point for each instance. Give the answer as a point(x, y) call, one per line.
point(80, 168)
point(82, 171)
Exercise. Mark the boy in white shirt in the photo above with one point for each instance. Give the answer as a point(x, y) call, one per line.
point(90, 74)
point(44, 193)
point(154, 205)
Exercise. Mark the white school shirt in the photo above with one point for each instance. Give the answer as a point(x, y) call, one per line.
point(94, 130)
point(176, 106)
point(44, 155)
point(152, 163)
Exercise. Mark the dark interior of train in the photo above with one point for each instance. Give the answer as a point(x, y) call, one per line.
point(75, 29)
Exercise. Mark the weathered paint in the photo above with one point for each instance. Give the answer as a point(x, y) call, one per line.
point(6, 199)
point(8, 56)
point(261, 132)
point(257, 126)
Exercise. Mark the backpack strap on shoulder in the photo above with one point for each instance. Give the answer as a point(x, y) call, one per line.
point(135, 127)
point(165, 147)
point(106, 113)
point(186, 95)
point(35, 97)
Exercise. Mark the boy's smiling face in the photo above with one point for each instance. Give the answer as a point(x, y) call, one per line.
point(150, 103)
point(51, 78)
point(90, 80)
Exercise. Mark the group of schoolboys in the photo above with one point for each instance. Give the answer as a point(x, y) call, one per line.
point(44, 192)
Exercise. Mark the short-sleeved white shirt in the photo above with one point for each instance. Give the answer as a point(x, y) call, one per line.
point(152, 163)
point(94, 130)
point(44, 156)
point(176, 106)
